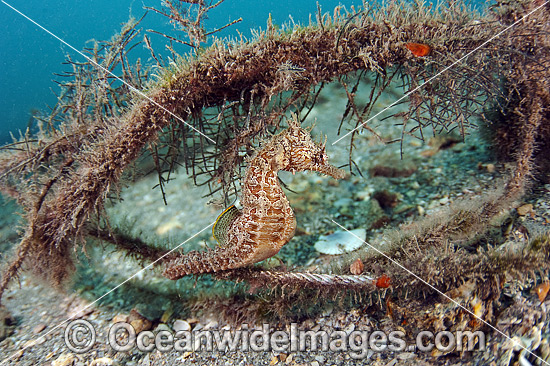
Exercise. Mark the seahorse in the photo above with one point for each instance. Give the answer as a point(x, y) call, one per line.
point(266, 222)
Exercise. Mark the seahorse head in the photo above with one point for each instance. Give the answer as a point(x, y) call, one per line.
point(302, 153)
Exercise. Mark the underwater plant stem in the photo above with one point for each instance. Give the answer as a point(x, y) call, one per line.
point(258, 277)
point(11, 271)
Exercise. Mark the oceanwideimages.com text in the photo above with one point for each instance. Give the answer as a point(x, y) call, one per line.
point(122, 337)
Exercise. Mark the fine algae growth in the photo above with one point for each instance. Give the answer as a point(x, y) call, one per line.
point(231, 115)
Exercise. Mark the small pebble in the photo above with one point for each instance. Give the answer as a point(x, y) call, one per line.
point(186, 355)
point(350, 328)
point(139, 322)
point(181, 325)
point(103, 361)
point(327, 311)
point(37, 329)
point(80, 311)
point(490, 168)
point(542, 290)
point(141, 325)
point(162, 327)
point(66, 359)
point(525, 209)
point(34, 342)
point(362, 195)
point(343, 202)
point(357, 267)
point(406, 355)
point(341, 241)
point(120, 318)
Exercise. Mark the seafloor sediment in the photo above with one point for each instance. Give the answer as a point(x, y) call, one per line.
point(426, 177)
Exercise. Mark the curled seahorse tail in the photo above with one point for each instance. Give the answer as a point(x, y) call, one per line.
point(194, 262)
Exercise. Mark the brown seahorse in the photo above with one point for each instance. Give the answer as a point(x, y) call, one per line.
point(266, 221)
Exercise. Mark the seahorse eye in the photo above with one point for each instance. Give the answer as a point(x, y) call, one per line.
point(320, 158)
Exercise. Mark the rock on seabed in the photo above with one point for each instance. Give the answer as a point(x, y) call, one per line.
point(341, 241)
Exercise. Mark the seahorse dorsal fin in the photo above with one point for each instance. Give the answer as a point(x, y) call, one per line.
point(223, 222)
point(293, 123)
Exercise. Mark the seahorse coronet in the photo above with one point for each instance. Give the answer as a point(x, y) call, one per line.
point(266, 222)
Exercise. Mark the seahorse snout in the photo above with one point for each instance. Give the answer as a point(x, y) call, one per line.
point(320, 164)
point(331, 170)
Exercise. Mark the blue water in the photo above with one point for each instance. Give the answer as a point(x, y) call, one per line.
point(29, 56)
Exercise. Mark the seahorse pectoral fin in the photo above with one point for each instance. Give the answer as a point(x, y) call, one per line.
point(223, 222)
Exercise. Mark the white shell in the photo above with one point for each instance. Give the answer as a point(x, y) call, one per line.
point(341, 241)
